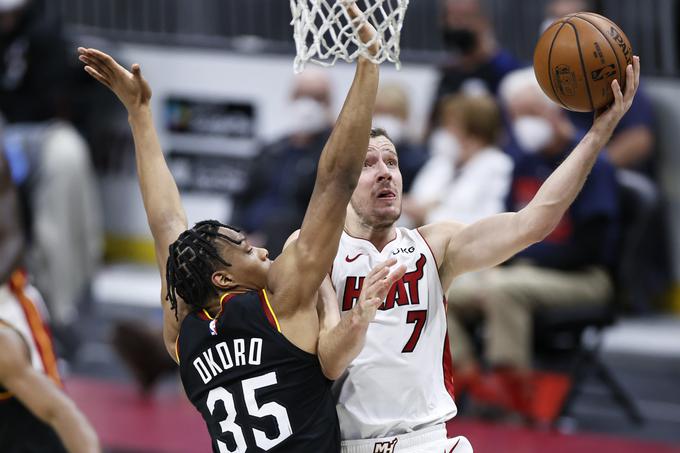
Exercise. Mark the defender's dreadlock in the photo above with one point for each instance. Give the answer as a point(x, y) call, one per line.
point(192, 260)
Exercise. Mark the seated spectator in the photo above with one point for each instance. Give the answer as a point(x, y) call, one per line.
point(632, 145)
point(392, 111)
point(476, 62)
point(571, 266)
point(281, 179)
point(471, 182)
point(50, 160)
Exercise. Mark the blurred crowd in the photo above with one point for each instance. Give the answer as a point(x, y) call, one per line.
point(492, 138)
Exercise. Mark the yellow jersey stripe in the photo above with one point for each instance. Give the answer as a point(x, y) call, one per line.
point(271, 310)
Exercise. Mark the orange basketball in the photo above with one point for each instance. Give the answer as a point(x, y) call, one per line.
point(577, 58)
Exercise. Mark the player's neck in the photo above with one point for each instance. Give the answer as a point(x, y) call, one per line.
point(378, 235)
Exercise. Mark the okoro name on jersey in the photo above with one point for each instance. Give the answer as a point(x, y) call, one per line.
point(223, 357)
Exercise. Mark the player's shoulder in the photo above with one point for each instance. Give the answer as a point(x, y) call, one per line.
point(438, 236)
point(435, 230)
point(14, 349)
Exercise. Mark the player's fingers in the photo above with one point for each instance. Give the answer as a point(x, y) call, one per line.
point(104, 57)
point(396, 274)
point(87, 61)
point(636, 68)
point(99, 63)
point(374, 302)
point(376, 275)
point(630, 81)
point(110, 65)
point(93, 72)
point(137, 71)
point(381, 267)
point(618, 96)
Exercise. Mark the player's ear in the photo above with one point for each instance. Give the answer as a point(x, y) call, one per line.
point(222, 279)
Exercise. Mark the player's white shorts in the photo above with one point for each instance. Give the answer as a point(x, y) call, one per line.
point(429, 440)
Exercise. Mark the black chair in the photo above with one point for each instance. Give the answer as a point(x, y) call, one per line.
point(576, 333)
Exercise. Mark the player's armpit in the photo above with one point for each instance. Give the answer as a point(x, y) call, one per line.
point(438, 237)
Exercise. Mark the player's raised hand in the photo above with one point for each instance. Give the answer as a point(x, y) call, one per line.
point(130, 87)
point(367, 31)
point(376, 285)
point(612, 114)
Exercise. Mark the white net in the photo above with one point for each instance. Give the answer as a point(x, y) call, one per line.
point(324, 31)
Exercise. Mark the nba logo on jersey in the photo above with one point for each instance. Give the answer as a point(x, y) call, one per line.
point(213, 328)
point(385, 447)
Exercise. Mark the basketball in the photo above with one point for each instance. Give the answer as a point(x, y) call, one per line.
point(577, 58)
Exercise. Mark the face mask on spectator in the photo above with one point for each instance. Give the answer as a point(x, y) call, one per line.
point(460, 40)
point(394, 126)
point(307, 116)
point(444, 143)
point(532, 133)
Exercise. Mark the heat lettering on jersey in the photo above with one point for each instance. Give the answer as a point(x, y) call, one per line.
point(222, 357)
point(398, 295)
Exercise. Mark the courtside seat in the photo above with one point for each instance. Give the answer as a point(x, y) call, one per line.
point(576, 333)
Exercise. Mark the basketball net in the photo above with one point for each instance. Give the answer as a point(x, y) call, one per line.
point(324, 32)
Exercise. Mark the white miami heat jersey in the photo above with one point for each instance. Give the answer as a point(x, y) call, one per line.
point(22, 307)
point(401, 381)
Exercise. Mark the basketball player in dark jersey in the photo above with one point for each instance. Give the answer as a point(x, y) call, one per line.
point(244, 330)
point(35, 415)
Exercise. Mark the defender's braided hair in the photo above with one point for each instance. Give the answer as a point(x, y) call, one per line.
point(192, 260)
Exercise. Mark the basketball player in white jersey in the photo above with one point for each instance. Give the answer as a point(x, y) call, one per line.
point(397, 395)
point(35, 415)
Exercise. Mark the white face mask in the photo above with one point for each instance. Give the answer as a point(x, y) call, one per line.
point(395, 127)
point(307, 116)
point(444, 143)
point(533, 133)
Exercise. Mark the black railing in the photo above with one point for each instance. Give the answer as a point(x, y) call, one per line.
point(263, 25)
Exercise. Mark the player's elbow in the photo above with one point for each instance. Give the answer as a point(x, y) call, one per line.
point(332, 373)
point(534, 227)
point(332, 369)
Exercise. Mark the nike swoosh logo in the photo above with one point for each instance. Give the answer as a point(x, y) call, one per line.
point(454, 447)
point(350, 260)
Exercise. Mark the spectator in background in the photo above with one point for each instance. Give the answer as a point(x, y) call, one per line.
point(632, 145)
point(281, 180)
point(49, 159)
point(471, 182)
point(571, 266)
point(476, 62)
point(392, 112)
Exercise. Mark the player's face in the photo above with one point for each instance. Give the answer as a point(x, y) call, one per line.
point(377, 197)
point(249, 265)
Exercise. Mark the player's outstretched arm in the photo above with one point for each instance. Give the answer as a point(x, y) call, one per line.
point(495, 239)
point(337, 175)
point(341, 339)
point(42, 397)
point(162, 202)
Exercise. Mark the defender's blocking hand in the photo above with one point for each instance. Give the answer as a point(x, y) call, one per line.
point(374, 290)
point(129, 86)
